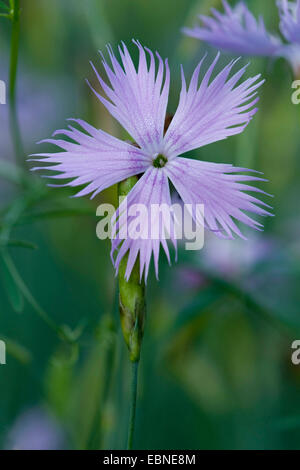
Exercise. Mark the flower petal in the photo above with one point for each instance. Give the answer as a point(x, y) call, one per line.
point(237, 31)
point(98, 159)
point(211, 112)
point(218, 187)
point(289, 13)
point(291, 52)
point(151, 190)
point(138, 98)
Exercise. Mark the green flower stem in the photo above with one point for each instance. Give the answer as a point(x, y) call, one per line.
point(14, 56)
point(132, 304)
point(134, 383)
point(132, 308)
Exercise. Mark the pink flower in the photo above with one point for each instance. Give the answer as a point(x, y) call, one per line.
point(207, 112)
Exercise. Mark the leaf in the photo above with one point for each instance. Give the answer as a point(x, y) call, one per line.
point(59, 378)
point(56, 213)
point(281, 319)
point(73, 335)
point(4, 6)
point(11, 215)
point(17, 351)
point(278, 317)
point(19, 244)
point(66, 391)
point(8, 275)
point(11, 172)
point(203, 300)
point(94, 420)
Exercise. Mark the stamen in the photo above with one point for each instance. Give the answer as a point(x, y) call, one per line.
point(160, 161)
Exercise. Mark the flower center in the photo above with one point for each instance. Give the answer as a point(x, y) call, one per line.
point(159, 161)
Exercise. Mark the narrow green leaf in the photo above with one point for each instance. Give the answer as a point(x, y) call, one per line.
point(7, 274)
point(4, 6)
point(56, 213)
point(200, 303)
point(10, 217)
point(20, 244)
point(276, 315)
point(17, 351)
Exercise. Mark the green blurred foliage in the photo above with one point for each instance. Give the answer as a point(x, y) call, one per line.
point(216, 370)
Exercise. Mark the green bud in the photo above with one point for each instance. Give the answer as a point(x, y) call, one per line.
point(131, 295)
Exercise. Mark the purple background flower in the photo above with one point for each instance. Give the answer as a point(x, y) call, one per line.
point(239, 32)
point(35, 429)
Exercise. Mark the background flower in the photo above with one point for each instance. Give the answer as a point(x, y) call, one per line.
point(220, 357)
point(290, 20)
point(238, 31)
point(35, 429)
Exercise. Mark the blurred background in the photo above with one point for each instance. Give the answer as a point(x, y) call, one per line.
point(216, 370)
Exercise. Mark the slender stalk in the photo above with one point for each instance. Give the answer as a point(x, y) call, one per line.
point(132, 308)
point(31, 300)
point(9, 220)
point(131, 424)
point(14, 56)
